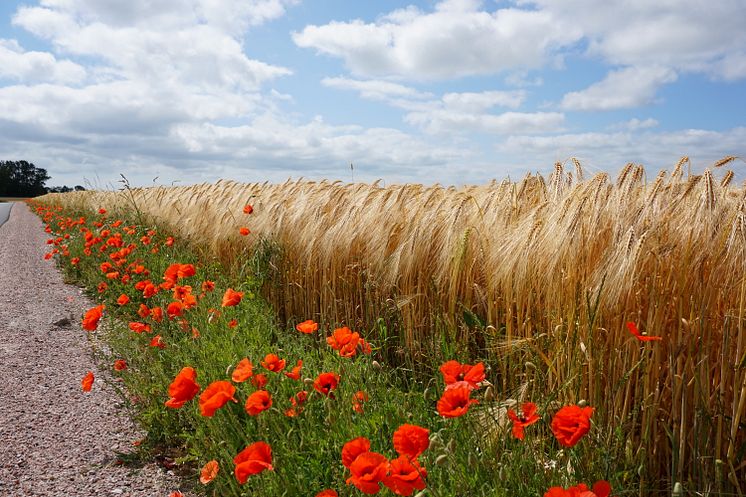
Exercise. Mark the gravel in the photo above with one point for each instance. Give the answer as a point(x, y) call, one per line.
point(56, 440)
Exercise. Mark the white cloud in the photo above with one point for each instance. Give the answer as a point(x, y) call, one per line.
point(453, 113)
point(445, 121)
point(684, 35)
point(461, 38)
point(30, 67)
point(621, 89)
point(481, 101)
point(375, 89)
point(610, 151)
point(457, 39)
point(635, 124)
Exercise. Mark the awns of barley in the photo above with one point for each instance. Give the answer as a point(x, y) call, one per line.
point(541, 264)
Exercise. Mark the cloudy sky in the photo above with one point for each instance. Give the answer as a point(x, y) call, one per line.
point(450, 91)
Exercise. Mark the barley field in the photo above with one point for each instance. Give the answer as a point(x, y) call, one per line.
point(544, 274)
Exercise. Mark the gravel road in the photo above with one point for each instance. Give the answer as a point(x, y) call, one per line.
point(56, 440)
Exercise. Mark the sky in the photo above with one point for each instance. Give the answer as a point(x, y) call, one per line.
point(448, 91)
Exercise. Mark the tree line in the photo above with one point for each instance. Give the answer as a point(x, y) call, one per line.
point(24, 179)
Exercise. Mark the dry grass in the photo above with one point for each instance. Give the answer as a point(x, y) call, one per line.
point(554, 268)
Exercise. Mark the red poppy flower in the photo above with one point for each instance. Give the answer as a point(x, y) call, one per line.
point(368, 470)
point(455, 402)
point(120, 365)
point(208, 286)
point(102, 287)
point(325, 383)
point(157, 341)
point(354, 448)
point(231, 298)
point(258, 402)
point(454, 371)
point(643, 338)
point(527, 418)
point(170, 241)
point(92, 316)
point(600, 489)
point(177, 271)
point(209, 472)
point(140, 327)
point(244, 231)
point(176, 493)
point(87, 381)
point(149, 290)
point(411, 440)
point(345, 341)
point(358, 399)
point(327, 493)
point(156, 313)
point(232, 323)
point(273, 363)
point(294, 374)
point(175, 309)
point(254, 459)
point(183, 388)
point(248, 209)
point(215, 396)
point(259, 380)
point(244, 370)
point(307, 327)
point(143, 311)
point(571, 423)
point(405, 476)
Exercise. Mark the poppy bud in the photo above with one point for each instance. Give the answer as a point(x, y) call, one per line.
point(677, 490)
point(376, 365)
point(426, 393)
point(451, 445)
point(436, 443)
point(308, 381)
point(441, 459)
point(582, 403)
point(489, 394)
point(421, 494)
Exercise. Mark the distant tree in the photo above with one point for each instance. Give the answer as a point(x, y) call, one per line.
point(22, 179)
point(65, 189)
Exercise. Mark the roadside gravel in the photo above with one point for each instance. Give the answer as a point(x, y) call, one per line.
point(56, 440)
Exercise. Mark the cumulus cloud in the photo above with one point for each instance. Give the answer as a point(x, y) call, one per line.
point(31, 67)
point(621, 89)
point(462, 38)
point(456, 39)
point(684, 35)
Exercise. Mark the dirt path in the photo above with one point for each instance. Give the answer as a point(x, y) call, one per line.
point(54, 439)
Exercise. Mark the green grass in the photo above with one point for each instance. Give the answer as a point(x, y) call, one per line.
point(473, 455)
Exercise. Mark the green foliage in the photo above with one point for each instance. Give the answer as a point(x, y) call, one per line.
point(22, 179)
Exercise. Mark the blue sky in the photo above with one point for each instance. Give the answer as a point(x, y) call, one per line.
point(449, 91)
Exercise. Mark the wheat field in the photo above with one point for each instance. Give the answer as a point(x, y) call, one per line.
point(544, 273)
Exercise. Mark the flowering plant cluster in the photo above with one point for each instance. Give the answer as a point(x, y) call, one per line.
point(169, 309)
